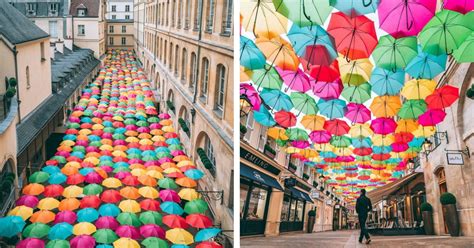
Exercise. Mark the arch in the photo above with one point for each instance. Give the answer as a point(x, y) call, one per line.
point(170, 95)
point(157, 80)
point(203, 141)
point(462, 92)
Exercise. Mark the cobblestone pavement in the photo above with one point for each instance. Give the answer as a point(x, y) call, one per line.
point(348, 239)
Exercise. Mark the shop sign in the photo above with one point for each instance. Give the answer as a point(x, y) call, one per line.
point(455, 158)
point(329, 202)
point(337, 206)
point(314, 194)
point(258, 161)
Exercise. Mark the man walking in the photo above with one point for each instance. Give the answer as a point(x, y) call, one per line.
point(363, 207)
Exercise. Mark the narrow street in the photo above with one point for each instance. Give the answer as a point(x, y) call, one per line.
point(348, 239)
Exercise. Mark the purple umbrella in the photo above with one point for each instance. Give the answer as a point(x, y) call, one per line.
point(93, 177)
point(82, 241)
point(295, 80)
point(320, 136)
point(152, 230)
point(27, 200)
point(107, 222)
point(122, 174)
point(249, 91)
point(169, 195)
point(461, 6)
point(357, 113)
point(65, 216)
point(405, 18)
point(301, 144)
point(31, 243)
point(328, 90)
point(127, 231)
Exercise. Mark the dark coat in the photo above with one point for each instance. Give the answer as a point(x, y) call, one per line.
point(363, 205)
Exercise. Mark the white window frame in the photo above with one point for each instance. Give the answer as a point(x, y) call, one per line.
point(81, 28)
point(205, 77)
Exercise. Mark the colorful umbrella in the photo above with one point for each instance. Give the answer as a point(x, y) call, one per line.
point(250, 56)
point(392, 54)
point(425, 65)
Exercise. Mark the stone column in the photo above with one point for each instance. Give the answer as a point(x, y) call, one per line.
point(272, 227)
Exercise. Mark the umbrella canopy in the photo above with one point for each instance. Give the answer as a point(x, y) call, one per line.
point(307, 13)
point(11, 226)
point(393, 54)
point(250, 56)
point(179, 236)
point(425, 65)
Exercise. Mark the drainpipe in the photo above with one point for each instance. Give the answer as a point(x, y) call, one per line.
point(198, 57)
point(15, 52)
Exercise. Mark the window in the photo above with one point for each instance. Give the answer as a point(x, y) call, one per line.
point(164, 51)
point(127, 8)
point(180, 12)
point(111, 29)
point(114, 8)
point(197, 21)
point(227, 25)
point(124, 41)
point(124, 29)
point(81, 12)
point(127, 17)
point(256, 204)
point(31, 8)
point(171, 55)
point(176, 59)
point(28, 84)
point(210, 16)
point(204, 77)
point(111, 40)
point(231, 190)
point(53, 9)
point(114, 17)
point(43, 58)
point(209, 151)
point(184, 62)
point(53, 29)
point(81, 30)
point(188, 14)
point(193, 71)
point(249, 125)
point(221, 78)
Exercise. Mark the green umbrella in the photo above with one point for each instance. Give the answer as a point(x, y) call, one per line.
point(267, 78)
point(411, 109)
point(151, 217)
point(60, 159)
point(121, 168)
point(109, 130)
point(118, 136)
point(57, 243)
point(129, 121)
point(281, 143)
point(153, 119)
point(105, 236)
point(357, 94)
point(163, 155)
point(393, 54)
point(296, 134)
point(340, 141)
point(304, 103)
point(197, 206)
point(79, 149)
point(95, 143)
point(127, 218)
point(175, 147)
point(154, 242)
point(92, 189)
point(36, 230)
point(73, 125)
point(142, 124)
point(464, 53)
point(167, 183)
point(38, 177)
point(304, 12)
point(444, 33)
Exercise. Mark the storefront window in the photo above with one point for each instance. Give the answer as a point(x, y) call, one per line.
point(293, 210)
point(285, 210)
point(244, 189)
point(257, 202)
point(299, 211)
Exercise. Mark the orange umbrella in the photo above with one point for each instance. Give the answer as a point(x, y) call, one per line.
point(279, 51)
point(43, 216)
point(120, 148)
point(407, 126)
point(144, 136)
point(69, 204)
point(385, 106)
point(155, 168)
point(156, 132)
point(69, 170)
point(186, 182)
point(136, 166)
point(167, 165)
point(180, 158)
point(130, 192)
point(166, 122)
point(64, 148)
point(147, 180)
point(313, 122)
point(33, 189)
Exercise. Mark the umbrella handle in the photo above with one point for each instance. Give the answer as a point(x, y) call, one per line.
point(366, 4)
point(409, 26)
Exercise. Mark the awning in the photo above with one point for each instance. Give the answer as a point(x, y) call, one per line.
point(300, 195)
point(258, 176)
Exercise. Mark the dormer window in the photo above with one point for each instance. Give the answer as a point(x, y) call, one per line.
point(31, 9)
point(82, 12)
point(53, 9)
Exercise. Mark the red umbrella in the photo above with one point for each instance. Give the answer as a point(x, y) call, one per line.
point(65, 216)
point(175, 221)
point(130, 181)
point(53, 190)
point(127, 231)
point(90, 201)
point(198, 221)
point(442, 97)
point(383, 125)
point(336, 127)
point(431, 117)
point(285, 118)
point(355, 37)
point(169, 195)
point(362, 151)
point(320, 136)
point(108, 222)
point(111, 196)
point(150, 205)
point(170, 135)
point(27, 200)
point(82, 241)
point(318, 55)
point(152, 230)
point(404, 137)
point(381, 157)
point(323, 72)
point(75, 179)
point(31, 243)
point(208, 244)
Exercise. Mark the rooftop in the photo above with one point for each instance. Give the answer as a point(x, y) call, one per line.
point(92, 7)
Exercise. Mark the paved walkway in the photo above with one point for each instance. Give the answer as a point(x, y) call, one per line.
point(348, 239)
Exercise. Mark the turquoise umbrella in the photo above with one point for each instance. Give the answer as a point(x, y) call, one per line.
point(11, 226)
point(57, 178)
point(334, 108)
point(60, 231)
point(109, 210)
point(276, 99)
point(301, 37)
point(85, 171)
point(171, 208)
point(387, 82)
point(194, 174)
point(179, 246)
point(361, 142)
point(162, 149)
point(51, 169)
point(426, 65)
point(87, 215)
point(173, 141)
point(355, 7)
point(263, 116)
point(250, 55)
point(206, 234)
point(416, 142)
point(381, 149)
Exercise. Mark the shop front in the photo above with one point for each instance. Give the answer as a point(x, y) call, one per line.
point(294, 205)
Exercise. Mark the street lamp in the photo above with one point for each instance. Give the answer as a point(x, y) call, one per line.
point(427, 145)
point(245, 105)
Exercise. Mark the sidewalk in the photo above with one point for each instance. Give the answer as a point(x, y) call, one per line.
point(348, 239)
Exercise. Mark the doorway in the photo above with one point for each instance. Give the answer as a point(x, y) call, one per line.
point(443, 188)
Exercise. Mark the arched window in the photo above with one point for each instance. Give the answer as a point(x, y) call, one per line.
point(220, 87)
point(193, 78)
point(204, 77)
point(209, 150)
point(184, 64)
point(185, 120)
point(197, 14)
point(170, 101)
point(28, 83)
point(176, 59)
point(210, 15)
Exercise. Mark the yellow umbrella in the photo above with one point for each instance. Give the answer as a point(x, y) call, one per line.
point(382, 140)
point(406, 126)
point(106, 148)
point(83, 228)
point(261, 18)
point(74, 164)
point(343, 151)
point(97, 127)
point(168, 129)
point(126, 243)
point(354, 72)
point(68, 143)
point(145, 142)
point(426, 131)
point(277, 133)
point(313, 122)
point(292, 149)
point(279, 51)
point(244, 77)
point(418, 88)
point(308, 153)
point(171, 170)
point(154, 173)
point(112, 182)
point(385, 106)
point(85, 132)
point(358, 130)
point(132, 139)
point(130, 206)
point(166, 122)
point(188, 194)
point(316, 159)
point(92, 160)
point(158, 138)
point(185, 163)
point(48, 203)
point(138, 172)
point(179, 236)
point(117, 118)
point(323, 147)
point(119, 154)
point(180, 158)
point(72, 191)
point(148, 192)
point(23, 211)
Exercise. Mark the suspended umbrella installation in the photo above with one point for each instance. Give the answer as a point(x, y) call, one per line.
point(334, 90)
point(119, 178)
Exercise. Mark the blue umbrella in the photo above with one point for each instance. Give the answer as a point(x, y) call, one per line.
point(57, 178)
point(361, 142)
point(416, 142)
point(276, 99)
point(334, 108)
point(387, 82)
point(11, 226)
point(60, 231)
point(171, 208)
point(172, 141)
point(109, 210)
point(162, 149)
point(134, 150)
point(69, 137)
point(381, 149)
point(263, 117)
point(194, 174)
point(104, 246)
point(107, 124)
point(106, 158)
point(121, 130)
point(179, 246)
point(426, 65)
point(250, 56)
point(78, 154)
point(86, 120)
point(301, 37)
point(50, 169)
point(206, 234)
point(87, 215)
point(94, 138)
point(85, 171)
point(355, 7)
point(327, 154)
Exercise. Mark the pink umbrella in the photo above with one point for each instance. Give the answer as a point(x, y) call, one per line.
point(152, 230)
point(405, 18)
point(164, 116)
point(106, 136)
point(345, 159)
point(177, 153)
point(300, 144)
point(106, 168)
point(107, 222)
point(357, 113)
point(251, 94)
point(155, 126)
point(461, 6)
point(151, 163)
point(65, 216)
point(27, 200)
point(93, 177)
point(295, 80)
point(31, 243)
point(383, 125)
point(169, 195)
point(399, 147)
point(135, 161)
point(143, 129)
point(82, 143)
point(431, 117)
point(320, 136)
point(327, 90)
point(122, 174)
point(165, 160)
point(120, 142)
point(127, 231)
point(131, 127)
point(82, 241)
